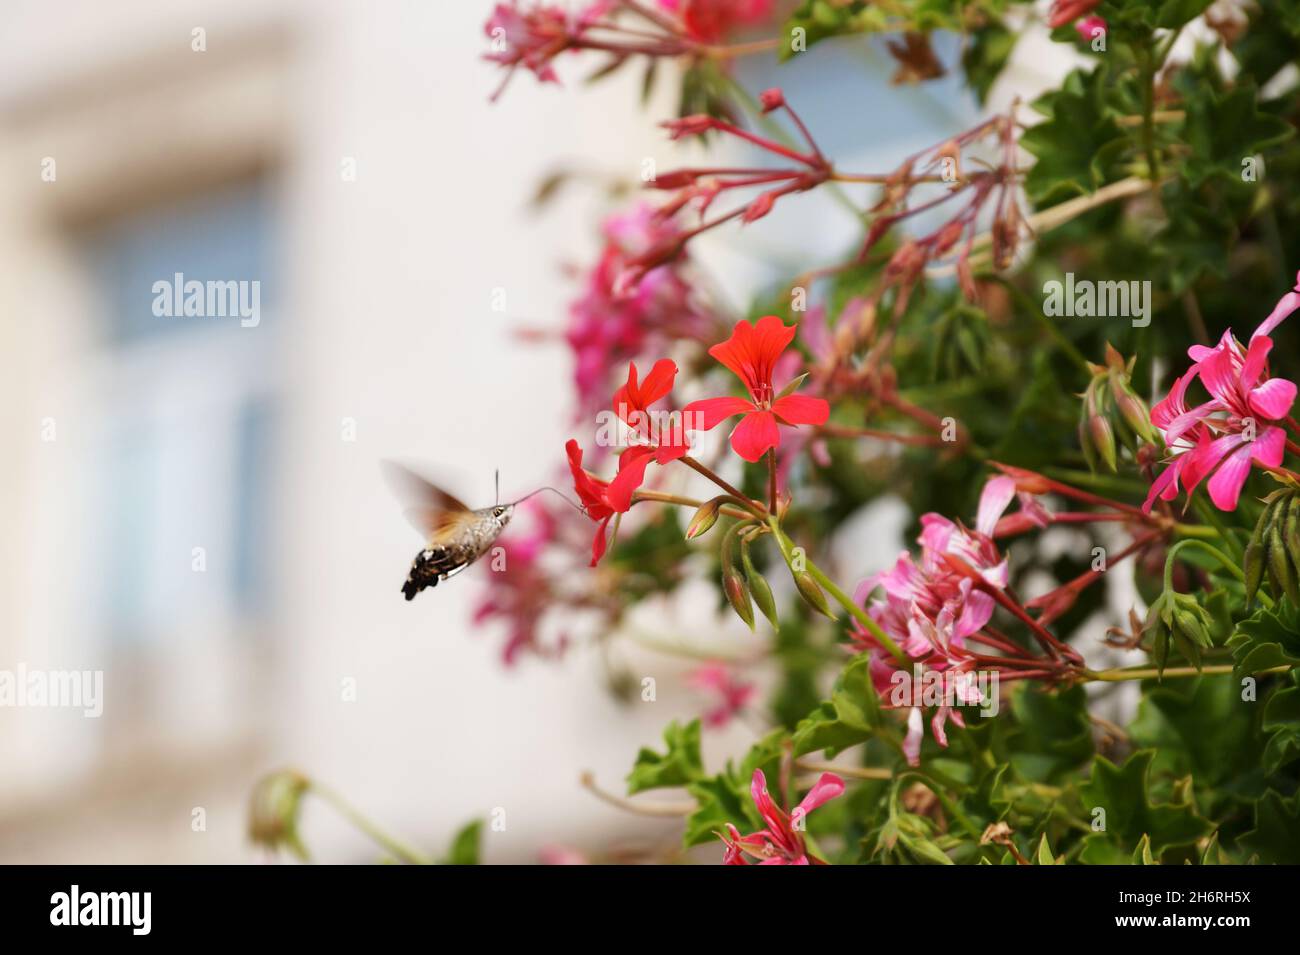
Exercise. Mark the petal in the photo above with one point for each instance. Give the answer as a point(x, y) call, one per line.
point(1287, 304)
point(801, 409)
point(659, 382)
point(631, 473)
point(1255, 361)
point(975, 613)
point(915, 731)
point(752, 350)
point(776, 820)
point(995, 497)
point(736, 353)
point(826, 788)
point(1273, 399)
point(1165, 486)
point(1268, 448)
point(598, 543)
point(707, 413)
point(1225, 485)
point(755, 435)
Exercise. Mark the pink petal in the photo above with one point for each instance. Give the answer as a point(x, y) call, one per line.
point(1256, 358)
point(995, 497)
point(1273, 399)
point(1285, 306)
point(915, 732)
point(755, 435)
point(828, 787)
point(975, 613)
point(801, 409)
point(1225, 485)
point(1268, 448)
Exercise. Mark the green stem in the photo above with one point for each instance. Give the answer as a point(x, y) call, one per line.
point(378, 836)
point(1211, 516)
point(1151, 673)
point(843, 599)
point(1229, 564)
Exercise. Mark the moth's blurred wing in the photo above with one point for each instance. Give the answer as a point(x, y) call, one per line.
point(439, 525)
point(430, 509)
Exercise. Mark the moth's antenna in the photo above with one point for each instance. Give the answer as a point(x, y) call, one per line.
point(564, 497)
point(498, 491)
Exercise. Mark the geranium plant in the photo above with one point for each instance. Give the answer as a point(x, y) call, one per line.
point(1091, 654)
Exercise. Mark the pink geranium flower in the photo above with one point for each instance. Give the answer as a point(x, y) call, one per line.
point(532, 36)
point(929, 610)
point(782, 842)
point(732, 694)
point(751, 354)
point(615, 320)
point(1241, 424)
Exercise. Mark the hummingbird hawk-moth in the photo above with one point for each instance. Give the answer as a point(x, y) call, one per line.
point(454, 534)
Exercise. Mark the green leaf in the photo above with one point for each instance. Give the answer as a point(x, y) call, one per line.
point(1276, 836)
point(465, 846)
point(1175, 13)
point(986, 54)
point(1282, 719)
point(1045, 856)
point(1142, 854)
point(1199, 727)
point(1053, 733)
point(1223, 129)
point(679, 765)
point(849, 717)
point(1267, 639)
point(719, 800)
point(1130, 814)
point(1076, 147)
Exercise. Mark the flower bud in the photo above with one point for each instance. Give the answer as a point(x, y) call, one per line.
point(811, 593)
point(274, 809)
point(759, 588)
point(738, 595)
point(704, 518)
point(771, 99)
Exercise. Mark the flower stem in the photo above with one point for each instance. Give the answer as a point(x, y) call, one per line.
point(662, 498)
point(391, 845)
point(759, 510)
point(843, 599)
point(1150, 673)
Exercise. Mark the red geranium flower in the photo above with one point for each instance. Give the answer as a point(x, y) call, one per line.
point(659, 436)
point(593, 492)
point(751, 353)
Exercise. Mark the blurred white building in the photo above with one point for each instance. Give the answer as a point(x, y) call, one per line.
point(195, 505)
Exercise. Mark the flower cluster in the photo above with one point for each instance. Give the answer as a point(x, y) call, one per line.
point(930, 609)
point(1243, 423)
point(627, 309)
point(532, 34)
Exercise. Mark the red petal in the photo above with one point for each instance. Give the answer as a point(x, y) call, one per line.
point(801, 409)
point(598, 543)
point(659, 382)
point(755, 435)
point(631, 472)
point(708, 413)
